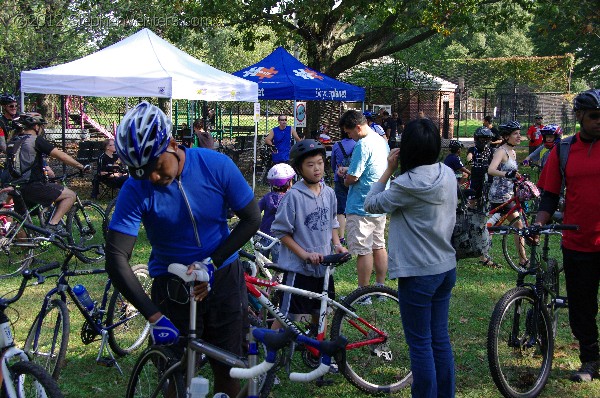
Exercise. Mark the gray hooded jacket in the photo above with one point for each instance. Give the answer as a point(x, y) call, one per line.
point(422, 203)
point(309, 220)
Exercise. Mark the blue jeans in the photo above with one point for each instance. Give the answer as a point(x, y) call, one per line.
point(424, 307)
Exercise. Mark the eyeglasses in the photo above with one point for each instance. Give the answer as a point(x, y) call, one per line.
point(11, 106)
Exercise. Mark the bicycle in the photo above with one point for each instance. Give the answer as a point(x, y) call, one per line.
point(114, 320)
point(376, 359)
point(20, 377)
point(83, 222)
point(522, 329)
point(514, 253)
point(158, 371)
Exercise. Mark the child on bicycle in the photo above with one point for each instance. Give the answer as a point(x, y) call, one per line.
point(551, 134)
point(307, 225)
point(453, 161)
point(280, 178)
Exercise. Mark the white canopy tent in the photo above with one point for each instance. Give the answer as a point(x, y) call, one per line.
point(142, 65)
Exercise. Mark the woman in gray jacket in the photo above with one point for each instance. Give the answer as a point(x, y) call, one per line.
point(422, 203)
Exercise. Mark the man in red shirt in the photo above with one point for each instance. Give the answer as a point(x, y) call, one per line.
point(581, 248)
point(534, 135)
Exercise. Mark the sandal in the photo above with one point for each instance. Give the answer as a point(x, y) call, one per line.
point(489, 263)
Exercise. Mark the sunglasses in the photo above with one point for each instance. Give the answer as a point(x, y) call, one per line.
point(11, 106)
point(594, 116)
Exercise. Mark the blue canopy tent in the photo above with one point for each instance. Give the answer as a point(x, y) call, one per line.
point(280, 76)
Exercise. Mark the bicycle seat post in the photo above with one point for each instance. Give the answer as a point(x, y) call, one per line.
point(191, 356)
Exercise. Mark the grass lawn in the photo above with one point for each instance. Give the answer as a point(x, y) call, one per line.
point(477, 290)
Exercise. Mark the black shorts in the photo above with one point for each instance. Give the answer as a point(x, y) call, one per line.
point(221, 317)
point(295, 304)
point(44, 193)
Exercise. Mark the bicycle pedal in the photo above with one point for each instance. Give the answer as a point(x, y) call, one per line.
point(106, 362)
point(322, 382)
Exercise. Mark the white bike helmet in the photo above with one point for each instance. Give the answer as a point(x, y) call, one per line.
point(142, 136)
point(280, 174)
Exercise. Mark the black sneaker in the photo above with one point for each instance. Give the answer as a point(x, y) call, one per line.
point(587, 372)
point(57, 229)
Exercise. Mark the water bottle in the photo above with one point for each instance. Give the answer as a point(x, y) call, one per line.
point(198, 387)
point(493, 219)
point(6, 337)
point(83, 296)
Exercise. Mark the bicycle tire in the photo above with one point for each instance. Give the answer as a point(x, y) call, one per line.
point(17, 251)
point(84, 225)
point(519, 355)
point(374, 368)
point(33, 381)
point(49, 349)
point(552, 283)
point(147, 371)
point(110, 209)
point(509, 247)
point(131, 334)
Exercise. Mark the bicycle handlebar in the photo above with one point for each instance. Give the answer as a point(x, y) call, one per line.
point(335, 259)
point(28, 274)
point(533, 229)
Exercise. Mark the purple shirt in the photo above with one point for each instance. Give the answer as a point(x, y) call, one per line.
point(337, 156)
point(268, 204)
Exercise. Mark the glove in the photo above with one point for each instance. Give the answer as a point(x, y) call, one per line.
point(205, 271)
point(511, 174)
point(163, 332)
point(525, 162)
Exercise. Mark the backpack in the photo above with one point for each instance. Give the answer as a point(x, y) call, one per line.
point(13, 157)
point(346, 160)
point(563, 148)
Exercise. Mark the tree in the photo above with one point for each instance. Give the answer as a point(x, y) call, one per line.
point(337, 35)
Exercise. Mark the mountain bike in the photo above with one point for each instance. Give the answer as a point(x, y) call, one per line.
point(522, 329)
point(19, 377)
point(159, 372)
point(514, 251)
point(376, 359)
point(83, 224)
point(113, 319)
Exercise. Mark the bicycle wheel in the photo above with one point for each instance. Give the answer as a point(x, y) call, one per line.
point(145, 379)
point(110, 209)
point(552, 283)
point(48, 338)
point(511, 249)
point(31, 380)
point(519, 352)
point(132, 333)
point(382, 367)
point(17, 248)
point(84, 225)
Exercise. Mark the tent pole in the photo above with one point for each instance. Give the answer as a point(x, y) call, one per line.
point(63, 109)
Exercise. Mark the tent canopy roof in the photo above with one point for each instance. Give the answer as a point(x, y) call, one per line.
point(141, 65)
point(280, 76)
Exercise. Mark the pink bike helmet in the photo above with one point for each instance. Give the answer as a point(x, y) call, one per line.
point(280, 174)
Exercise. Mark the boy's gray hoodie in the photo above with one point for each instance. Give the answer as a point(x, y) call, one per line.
point(422, 204)
point(309, 220)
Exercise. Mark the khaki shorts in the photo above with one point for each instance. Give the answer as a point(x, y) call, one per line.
point(365, 234)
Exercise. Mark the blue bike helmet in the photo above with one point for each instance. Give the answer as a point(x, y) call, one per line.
point(587, 100)
point(142, 136)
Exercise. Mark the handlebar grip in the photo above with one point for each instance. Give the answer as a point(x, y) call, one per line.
point(310, 376)
point(499, 228)
point(566, 227)
point(241, 373)
point(180, 270)
point(45, 268)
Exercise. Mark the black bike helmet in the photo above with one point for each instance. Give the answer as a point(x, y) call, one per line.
point(483, 132)
point(587, 100)
point(510, 127)
point(30, 119)
point(455, 144)
point(302, 149)
point(6, 99)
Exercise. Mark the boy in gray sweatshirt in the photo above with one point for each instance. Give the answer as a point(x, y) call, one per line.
point(307, 225)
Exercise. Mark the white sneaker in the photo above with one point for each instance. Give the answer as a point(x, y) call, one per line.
point(365, 301)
